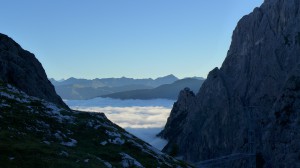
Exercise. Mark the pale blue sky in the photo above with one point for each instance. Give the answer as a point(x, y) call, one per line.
point(133, 38)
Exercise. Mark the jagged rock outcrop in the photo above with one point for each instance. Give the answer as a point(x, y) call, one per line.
point(37, 133)
point(254, 85)
point(177, 119)
point(21, 69)
point(41, 131)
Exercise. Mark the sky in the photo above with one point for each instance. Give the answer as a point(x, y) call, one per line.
point(132, 38)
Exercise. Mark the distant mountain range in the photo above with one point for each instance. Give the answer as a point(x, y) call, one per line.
point(116, 82)
point(167, 91)
point(39, 130)
point(74, 89)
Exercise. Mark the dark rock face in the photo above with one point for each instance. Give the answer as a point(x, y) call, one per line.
point(255, 87)
point(281, 142)
point(21, 69)
point(177, 119)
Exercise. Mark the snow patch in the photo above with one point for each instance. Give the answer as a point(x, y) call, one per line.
point(112, 134)
point(46, 142)
point(4, 105)
point(117, 141)
point(64, 153)
point(128, 161)
point(107, 164)
point(42, 124)
point(104, 143)
point(59, 135)
point(54, 111)
point(71, 143)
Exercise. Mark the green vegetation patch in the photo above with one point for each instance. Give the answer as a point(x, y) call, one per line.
point(36, 134)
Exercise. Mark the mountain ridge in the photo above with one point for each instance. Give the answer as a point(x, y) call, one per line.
point(80, 89)
point(38, 130)
point(21, 68)
point(248, 94)
point(167, 91)
point(119, 81)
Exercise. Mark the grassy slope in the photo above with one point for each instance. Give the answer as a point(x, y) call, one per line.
point(33, 133)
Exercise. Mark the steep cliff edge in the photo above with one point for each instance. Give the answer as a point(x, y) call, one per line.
point(180, 110)
point(41, 131)
point(21, 69)
point(243, 94)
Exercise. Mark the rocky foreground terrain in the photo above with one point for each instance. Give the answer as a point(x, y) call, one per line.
point(36, 133)
point(38, 130)
point(251, 104)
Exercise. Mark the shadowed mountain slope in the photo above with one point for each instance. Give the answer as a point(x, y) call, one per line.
point(249, 105)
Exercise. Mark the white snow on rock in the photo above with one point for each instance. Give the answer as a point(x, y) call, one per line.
point(59, 135)
point(11, 158)
point(71, 143)
point(89, 124)
point(11, 96)
point(4, 105)
point(13, 93)
point(117, 141)
point(112, 134)
point(97, 127)
point(23, 98)
point(128, 135)
point(128, 161)
point(42, 124)
point(64, 153)
point(46, 142)
point(104, 143)
point(109, 126)
point(107, 164)
point(54, 111)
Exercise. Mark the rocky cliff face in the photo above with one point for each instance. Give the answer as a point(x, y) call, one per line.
point(41, 131)
point(21, 69)
point(177, 119)
point(255, 89)
point(37, 133)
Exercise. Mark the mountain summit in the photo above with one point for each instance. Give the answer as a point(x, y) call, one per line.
point(38, 130)
point(251, 104)
point(21, 69)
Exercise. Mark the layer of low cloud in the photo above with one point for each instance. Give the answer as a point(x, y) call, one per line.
point(105, 102)
point(133, 117)
point(143, 118)
point(149, 135)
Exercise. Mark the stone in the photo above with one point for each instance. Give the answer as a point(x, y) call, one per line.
point(256, 89)
point(21, 69)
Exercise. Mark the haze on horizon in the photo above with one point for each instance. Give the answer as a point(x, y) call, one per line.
point(138, 39)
